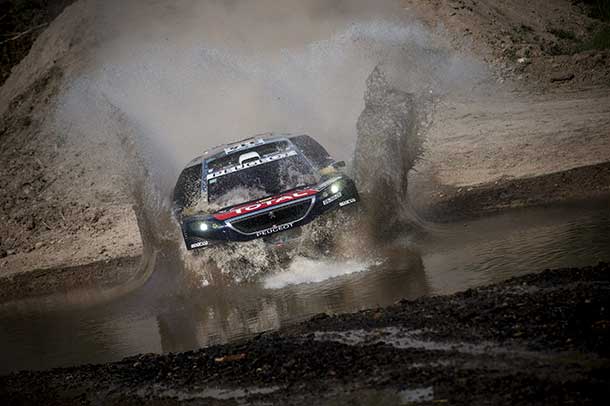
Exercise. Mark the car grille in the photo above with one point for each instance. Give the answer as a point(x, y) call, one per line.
point(266, 220)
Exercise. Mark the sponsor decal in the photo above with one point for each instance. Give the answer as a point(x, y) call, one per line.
point(263, 204)
point(243, 145)
point(346, 202)
point(274, 229)
point(200, 244)
point(251, 164)
point(331, 199)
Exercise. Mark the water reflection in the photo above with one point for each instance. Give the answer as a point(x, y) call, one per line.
point(489, 250)
point(155, 318)
point(213, 315)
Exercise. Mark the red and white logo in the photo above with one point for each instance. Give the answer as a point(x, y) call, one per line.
point(263, 204)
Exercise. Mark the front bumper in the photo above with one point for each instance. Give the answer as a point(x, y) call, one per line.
point(202, 231)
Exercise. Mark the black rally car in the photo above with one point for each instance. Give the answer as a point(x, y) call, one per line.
point(258, 188)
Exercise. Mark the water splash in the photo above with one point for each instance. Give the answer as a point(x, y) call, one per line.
point(307, 270)
point(182, 82)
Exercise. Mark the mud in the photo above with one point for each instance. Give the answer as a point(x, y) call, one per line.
point(537, 339)
point(162, 316)
point(20, 25)
point(65, 199)
point(386, 148)
point(572, 187)
point(106, 274)
point(87, 164)
point(81, 147)
point(534, 45)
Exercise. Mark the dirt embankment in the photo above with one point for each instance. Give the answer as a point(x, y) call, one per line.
point(541, 137)
point(65, 198)
point(488, 153)
point(537, 339)
point(544, 45)
point(20, 24)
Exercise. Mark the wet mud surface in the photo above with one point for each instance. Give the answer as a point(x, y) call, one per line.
point(162, 316)
point(536, 339)
point(97, 275)
point(578, 185)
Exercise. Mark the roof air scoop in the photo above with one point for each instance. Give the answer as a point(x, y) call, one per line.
point(248, 157)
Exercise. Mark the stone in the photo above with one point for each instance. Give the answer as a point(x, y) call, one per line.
point(30, 224)
point(562, 77)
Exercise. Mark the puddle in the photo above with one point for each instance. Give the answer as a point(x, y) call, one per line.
point(375, 397)
point(156, 319)
point(402, 340)
point(413, 339)
point(208, 393)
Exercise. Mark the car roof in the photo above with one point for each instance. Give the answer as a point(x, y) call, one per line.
point(234, 147)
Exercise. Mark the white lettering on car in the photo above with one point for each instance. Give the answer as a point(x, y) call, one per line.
point(200, 244)
point(346, 202)
point(236, 147)
point(274, 229)
point(331, 199)
point(251, 164)
point(283, 199)
point(263, 203)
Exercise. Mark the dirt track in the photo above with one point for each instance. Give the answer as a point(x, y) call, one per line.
point(538, 339)
point(489, 153)
point(482, 150)
point(537, 140)
point(67, 218)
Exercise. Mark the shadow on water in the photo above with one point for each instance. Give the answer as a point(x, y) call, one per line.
point(161, 317)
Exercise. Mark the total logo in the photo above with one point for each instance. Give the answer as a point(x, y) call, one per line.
point(262, 204)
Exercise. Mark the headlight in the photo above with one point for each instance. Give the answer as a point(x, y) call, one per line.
point(198, 226)
point(335, 188)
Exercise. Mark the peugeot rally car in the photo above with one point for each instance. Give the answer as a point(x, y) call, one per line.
point(261, 187)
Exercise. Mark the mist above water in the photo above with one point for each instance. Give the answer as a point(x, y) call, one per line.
point(172, 79)
point(191, 75)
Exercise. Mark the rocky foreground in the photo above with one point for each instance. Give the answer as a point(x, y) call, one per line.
point(538, 339)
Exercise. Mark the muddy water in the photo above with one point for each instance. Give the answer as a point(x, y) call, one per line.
point(443, 259)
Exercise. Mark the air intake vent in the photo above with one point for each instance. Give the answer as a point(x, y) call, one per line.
point(269, 219)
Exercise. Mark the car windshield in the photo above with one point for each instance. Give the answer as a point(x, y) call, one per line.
point(260, 181)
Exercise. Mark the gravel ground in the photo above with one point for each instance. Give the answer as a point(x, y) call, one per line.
point(538, 339)
point(544, 45)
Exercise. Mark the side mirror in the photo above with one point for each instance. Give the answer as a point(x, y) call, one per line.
point(339, 164)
